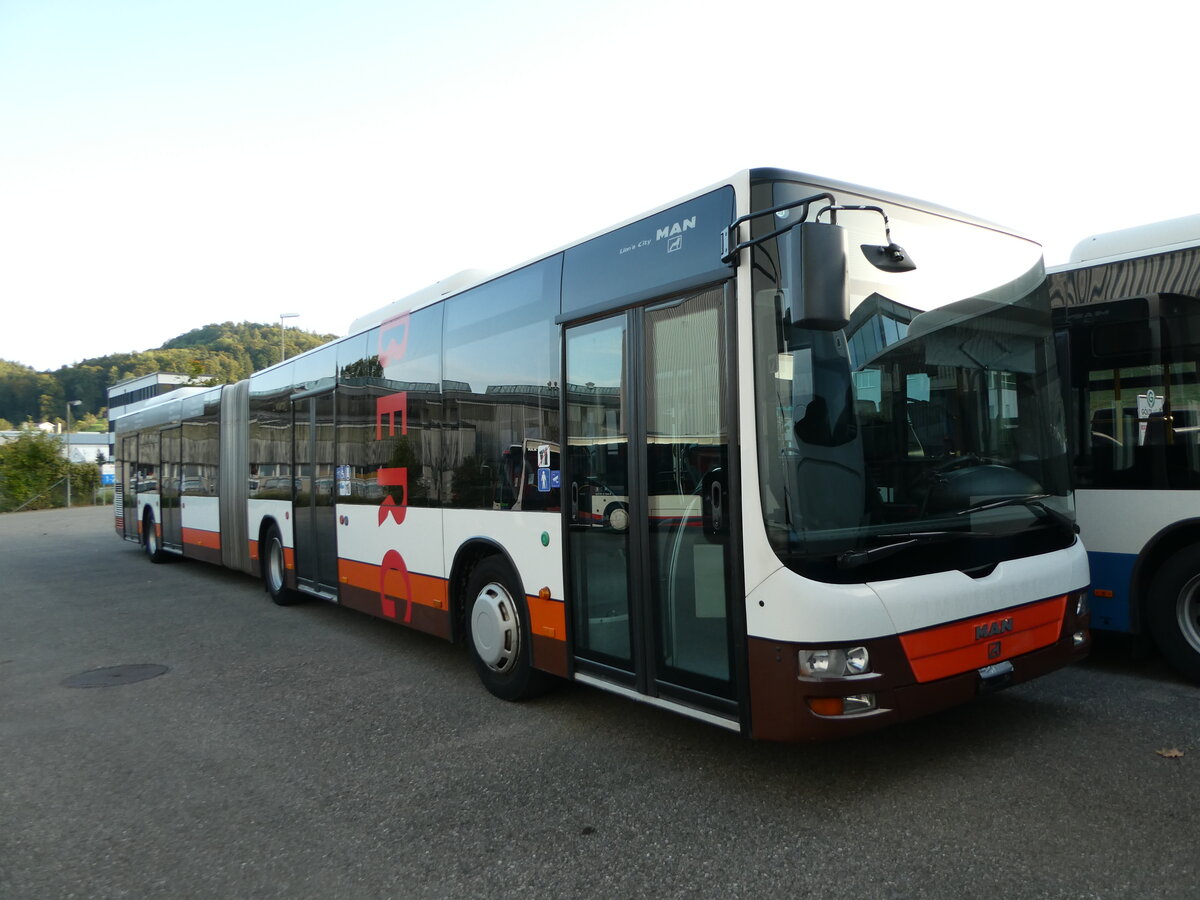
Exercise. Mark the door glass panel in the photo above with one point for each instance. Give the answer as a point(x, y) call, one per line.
point(315, 527)
point(324, 512)
point(597, 466)
point(688, 491)
point(169, 488)
point(128, 480)
point(301, 490)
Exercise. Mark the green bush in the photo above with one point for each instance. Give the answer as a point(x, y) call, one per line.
point(29, 467)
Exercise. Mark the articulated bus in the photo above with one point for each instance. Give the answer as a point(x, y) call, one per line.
point(1127, 308)
point(743, 457)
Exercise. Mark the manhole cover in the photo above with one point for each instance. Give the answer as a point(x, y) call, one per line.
point(115, 675)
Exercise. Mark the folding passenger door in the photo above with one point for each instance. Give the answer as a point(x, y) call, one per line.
point(171, 447)
point(313, 511)
point(647, 470)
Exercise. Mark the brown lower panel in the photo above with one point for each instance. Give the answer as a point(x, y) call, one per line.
point(779, 697)
point(205, 554)
point(422, 618)
point(550, 655)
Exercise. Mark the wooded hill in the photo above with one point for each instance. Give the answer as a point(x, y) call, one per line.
point(214, 354)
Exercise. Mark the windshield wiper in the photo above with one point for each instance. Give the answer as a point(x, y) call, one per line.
point(852, 559)
point(1033, 502)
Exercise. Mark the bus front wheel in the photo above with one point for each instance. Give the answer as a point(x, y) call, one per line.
point(498, 636)
point(1174, 611)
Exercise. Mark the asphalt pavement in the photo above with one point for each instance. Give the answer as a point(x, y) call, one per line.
point(312, 751)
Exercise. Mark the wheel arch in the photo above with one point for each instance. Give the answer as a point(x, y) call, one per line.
point(265, 524)
point(469, 554)
point(1161, 547)
point(148, 513)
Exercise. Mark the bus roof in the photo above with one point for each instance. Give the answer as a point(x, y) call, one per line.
point(1141, 240)
point(469, 278)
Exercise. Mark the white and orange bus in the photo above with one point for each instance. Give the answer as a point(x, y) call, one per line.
point(742, 457)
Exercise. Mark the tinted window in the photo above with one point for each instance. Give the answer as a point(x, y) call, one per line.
point(389, 412)
point(201, 451)
point(316, 368)
point(1137, 414)
point(147, 469)
point(500, 388)
point(271, 434)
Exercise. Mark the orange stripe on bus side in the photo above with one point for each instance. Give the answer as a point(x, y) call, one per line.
point(427, 590)
point(547, 618)
point(200, 538)
point(973, 643)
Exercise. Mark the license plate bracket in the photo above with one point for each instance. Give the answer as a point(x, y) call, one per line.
point(995, 677)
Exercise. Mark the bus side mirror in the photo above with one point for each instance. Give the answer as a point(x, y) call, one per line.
point(814, 273)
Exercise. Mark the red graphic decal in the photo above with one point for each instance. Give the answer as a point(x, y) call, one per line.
point(389, 406)
point(389, 507)
point(394, 562)
point(389, 350)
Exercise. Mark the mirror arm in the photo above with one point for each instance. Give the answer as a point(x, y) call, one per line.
point(834, 209)
point(887, 257)
point(730, 249)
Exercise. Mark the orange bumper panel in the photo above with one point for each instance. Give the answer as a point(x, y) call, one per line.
point(970, 644)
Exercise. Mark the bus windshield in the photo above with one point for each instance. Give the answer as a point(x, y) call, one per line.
point(915, 441)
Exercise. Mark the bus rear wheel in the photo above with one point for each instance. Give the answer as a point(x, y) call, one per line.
point(1174, 611)
point(151, 540)
point(274, 569)
point(617, 517)
point(498, 636)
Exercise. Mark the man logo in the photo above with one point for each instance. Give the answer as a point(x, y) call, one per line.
point(993, 629)
point(675, 228)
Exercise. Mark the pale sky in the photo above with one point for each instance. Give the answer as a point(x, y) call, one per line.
point(165, 165)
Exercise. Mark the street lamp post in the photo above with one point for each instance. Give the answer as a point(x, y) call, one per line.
point(67, 444)
point(282, 316)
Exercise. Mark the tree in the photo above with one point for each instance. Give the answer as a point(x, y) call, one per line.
point(29, 467)
point(20, 390)
point(52, 406)
point(85, 478)
point(215, 354)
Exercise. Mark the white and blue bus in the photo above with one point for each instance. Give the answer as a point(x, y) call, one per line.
point(1127, 309)
point(742, 457)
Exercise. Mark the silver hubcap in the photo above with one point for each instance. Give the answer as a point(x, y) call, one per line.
point(619, 519)
point(1187, 612)
point(495, 629)
point(151, 538)
point(275, 566)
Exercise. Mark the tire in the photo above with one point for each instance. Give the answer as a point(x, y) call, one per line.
point(1173, 611)
point(274, 570)
point(498, 636)
point(151, 541)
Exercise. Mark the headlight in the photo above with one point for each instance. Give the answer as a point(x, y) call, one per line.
point(1081, 603)
point(858, 661)
point(816, 662)
point(835, 662)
